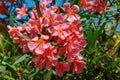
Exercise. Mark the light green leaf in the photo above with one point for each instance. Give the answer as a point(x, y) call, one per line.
point(117, 41)
point(2, 68)
point(11, 19)
point(10, 67)
point(32, 75)
point(19, 23)
point(21, 59)
point(47, 76)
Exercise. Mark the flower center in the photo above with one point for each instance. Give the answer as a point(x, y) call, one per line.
point(15, 30)
point(72, 27)
point(59, 31)
point(40, 41)
point(70, 13)
point(22, 12)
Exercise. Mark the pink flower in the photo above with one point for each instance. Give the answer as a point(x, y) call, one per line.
point(47, 16)
point(38, 45)
point(78, 65)
point(75, 26)
point(60, 31)
point(61, 68)
point(34, 14)
point(21, 12)
point(45, 2)
point(71, 11)
point(16, 33)
point(48, 59)
point(40, 61)
point(23, 45)
point(51, 57)
point(35, 24)
point(74, 45)
point(91, 5)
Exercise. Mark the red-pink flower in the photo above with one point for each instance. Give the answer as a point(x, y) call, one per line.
point(61, 68)
point(23, 45)
point(35, 24)
point(75, 26)
point(60, 31)
point(16, 34)
point(48, 59)
point(74, 45)
point(71, 11)
point(45, 2)
point(78, 65)
point(34, 14)
point(91, 5)
point(38, 45)
point(21, 12)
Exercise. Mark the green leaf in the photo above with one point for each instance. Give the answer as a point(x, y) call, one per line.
point(21, 59)
point(2, 69)
point(47, 76)
point(114, 64)
point(9, 67)
point(61, 10)
point(11, 19)
point(88, 16)
point(6, 35)
point(19, 23)
point(77, 2)
point(37, 7)
point(32, 75)
point(25, 37)
point(117, 41)
point(8, 78)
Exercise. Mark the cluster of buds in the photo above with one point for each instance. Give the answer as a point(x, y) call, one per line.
point(94, 5)
point(55, 39)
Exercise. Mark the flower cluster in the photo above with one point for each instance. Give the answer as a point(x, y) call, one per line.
point(55, 39)
point(94, 5)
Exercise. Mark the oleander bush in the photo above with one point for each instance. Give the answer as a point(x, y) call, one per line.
point(78, 40)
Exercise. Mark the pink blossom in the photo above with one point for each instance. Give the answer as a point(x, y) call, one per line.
point(16, 34)
point(45, 2)
point(48, 58)
point(23, 45)
point(61, 68)
point(35, 24)
point(90, 5)
point(78, 65)
point(38, 46)
point(60, 31)
point(71, 11)
point(74, 45)
point(21, 12)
